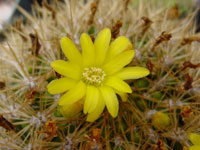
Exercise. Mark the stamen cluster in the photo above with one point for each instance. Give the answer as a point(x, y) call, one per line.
point(93, 76)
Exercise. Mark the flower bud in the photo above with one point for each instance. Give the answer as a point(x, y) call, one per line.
point(195, 147)
point(194, 138)
point(160, 120)
point(71, 110)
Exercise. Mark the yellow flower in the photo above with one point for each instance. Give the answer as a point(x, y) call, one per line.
point(195, 139)
point(96, 75)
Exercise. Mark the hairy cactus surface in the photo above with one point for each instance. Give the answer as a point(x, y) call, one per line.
point(160, 113)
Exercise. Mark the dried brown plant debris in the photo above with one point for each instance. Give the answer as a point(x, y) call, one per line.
point(93, 140)
point(50, 8)
point(188, 83)
point(173, 12)
point(116, 29)
point(69, 36)
point(189, 40)
point(96, 133)
point(2, 85)
point(186, 112)
point(58, 76)
point(127, 2)
point(6, 124)
point(164, 37)
point(159, 145)
point(92, 38)
point(35, 44)
point(18, 25)
point(149, 65)
point(93, 9)
point(93, 144)
point(30, 96)
point(188, 64)
point(146, 25)
point(50, 129)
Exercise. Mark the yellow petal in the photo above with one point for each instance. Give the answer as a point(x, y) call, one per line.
point(118, 46)
point(194, 138)
point(88, 50)
point(66, 69)
point(132, 73)
point(195, 147)
point(124, 96)
point(74, 94)
point(97, 111)
point(117, 84)
point(60, 85)
point(117, 63)
point(70, 50)
point(110, 100)
point(101, 45)
point(70, 110)
point(92, 96)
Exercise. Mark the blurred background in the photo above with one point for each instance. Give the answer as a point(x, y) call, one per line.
point(8, 9)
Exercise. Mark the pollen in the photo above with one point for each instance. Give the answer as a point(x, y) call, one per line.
point(93, 76)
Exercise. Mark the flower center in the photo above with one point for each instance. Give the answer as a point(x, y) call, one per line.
point(93, 76)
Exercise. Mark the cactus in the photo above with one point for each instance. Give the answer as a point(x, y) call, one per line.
point(164, 42)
